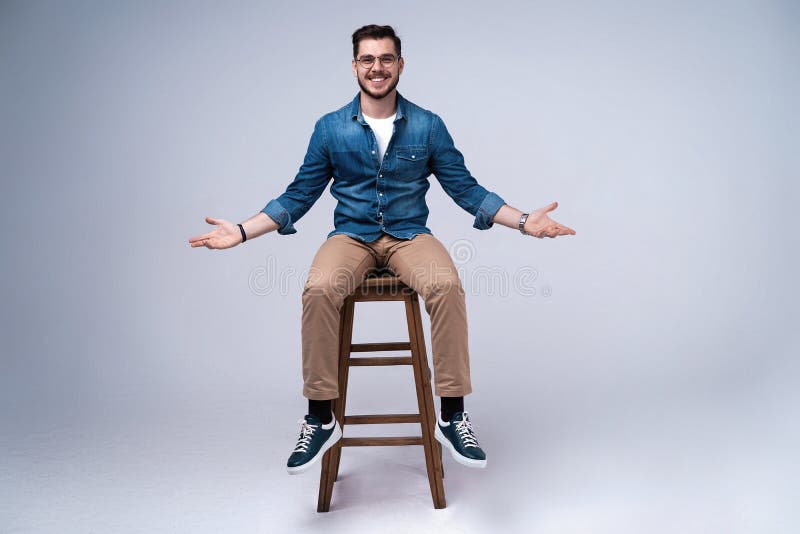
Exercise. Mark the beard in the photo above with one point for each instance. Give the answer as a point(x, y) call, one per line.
point(383, 92)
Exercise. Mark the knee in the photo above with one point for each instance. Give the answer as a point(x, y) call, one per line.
point(316, 292)
point(332, 287)
point(443, 287)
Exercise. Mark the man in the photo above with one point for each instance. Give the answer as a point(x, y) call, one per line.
point(380, 150)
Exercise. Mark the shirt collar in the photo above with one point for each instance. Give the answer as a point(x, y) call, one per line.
point(355, 108)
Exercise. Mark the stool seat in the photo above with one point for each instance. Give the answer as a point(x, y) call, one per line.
point(383, 285)
point(380, 271)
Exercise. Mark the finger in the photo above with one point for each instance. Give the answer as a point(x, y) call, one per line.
point(553, 231)
point(564, 230)
point(551, 207)
point(200, 237)
point(212, 220)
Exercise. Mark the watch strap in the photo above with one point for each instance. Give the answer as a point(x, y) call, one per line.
point(521, 224)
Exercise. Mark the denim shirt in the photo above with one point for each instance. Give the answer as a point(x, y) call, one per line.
point(386, 197)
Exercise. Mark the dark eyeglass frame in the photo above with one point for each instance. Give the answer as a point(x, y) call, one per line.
point(387, 60)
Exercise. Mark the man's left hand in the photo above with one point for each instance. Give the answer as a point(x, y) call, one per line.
point(538, 224)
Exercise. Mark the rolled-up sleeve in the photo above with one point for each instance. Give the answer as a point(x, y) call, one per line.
point(280, 215)
point(486, 211)
point(307, 186)
point(447, 164)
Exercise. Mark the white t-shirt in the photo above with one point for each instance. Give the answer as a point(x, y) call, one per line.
point(383, 132)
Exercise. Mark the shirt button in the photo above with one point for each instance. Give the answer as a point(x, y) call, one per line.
point(381, 194)
point(412, 156)
point(373, 151)
point(380, 176)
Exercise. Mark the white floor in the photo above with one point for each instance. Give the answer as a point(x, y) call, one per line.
point(676, 465)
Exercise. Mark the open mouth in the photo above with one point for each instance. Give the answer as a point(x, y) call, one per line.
point(378, 80)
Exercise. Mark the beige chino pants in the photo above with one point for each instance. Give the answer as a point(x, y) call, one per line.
point(423, 264)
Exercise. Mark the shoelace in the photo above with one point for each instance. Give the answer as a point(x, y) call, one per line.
point(306, 433)
point(466, 433)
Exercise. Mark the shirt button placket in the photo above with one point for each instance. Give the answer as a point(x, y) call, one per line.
point(380, 202)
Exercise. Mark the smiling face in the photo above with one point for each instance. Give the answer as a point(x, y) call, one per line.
point(377, 81)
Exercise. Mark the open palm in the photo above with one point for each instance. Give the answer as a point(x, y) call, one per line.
point(538, 224)
point(225, 235)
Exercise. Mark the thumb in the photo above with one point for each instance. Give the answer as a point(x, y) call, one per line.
point(212, 220)
point(551, 207)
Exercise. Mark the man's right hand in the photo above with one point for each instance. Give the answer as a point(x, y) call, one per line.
point(225, 235)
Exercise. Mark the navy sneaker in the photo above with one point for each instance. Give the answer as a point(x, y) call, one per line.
point(459, 436)
point(315, 438)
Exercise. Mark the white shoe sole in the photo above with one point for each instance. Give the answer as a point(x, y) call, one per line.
point(336, 436)
point(469, 462)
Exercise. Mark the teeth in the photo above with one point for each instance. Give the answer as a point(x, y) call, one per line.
point(377, 79)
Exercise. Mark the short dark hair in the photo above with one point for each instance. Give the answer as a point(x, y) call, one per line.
point(374, 31)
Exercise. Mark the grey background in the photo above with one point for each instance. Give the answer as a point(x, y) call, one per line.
point(648, 384)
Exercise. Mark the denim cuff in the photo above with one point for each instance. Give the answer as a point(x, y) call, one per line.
point(278, 213)
point(487, 210)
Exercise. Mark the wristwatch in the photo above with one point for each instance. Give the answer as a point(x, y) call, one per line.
point(521, 224)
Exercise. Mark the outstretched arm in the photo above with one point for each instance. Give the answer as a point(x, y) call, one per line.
point(538, 224)
point(227, 234)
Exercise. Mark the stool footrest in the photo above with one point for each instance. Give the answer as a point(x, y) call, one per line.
point(381, 441)
point(382, 419)
point(380, 360)
point(380, 347)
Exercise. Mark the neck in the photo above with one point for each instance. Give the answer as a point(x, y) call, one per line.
point(379, 108)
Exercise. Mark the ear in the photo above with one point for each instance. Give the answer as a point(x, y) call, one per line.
point(355, 68)
point(400, 63)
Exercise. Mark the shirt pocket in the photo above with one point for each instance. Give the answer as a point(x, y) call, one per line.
point(412, 162)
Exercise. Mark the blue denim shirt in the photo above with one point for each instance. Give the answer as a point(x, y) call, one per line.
point(376, 197)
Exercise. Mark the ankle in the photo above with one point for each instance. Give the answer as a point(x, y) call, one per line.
point(321, 409)
point(450, 406)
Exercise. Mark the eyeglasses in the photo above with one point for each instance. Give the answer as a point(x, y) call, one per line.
point(386, 61)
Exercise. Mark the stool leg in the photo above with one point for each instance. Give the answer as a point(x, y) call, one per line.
point(438, 445)
point(344, 375)
point(427, 410)
point(330, 460)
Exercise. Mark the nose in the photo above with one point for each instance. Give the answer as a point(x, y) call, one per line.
point(376, 67)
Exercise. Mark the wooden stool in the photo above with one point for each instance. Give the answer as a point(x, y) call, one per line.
point(382, 285)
